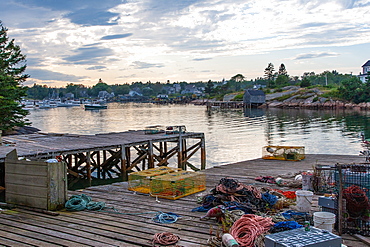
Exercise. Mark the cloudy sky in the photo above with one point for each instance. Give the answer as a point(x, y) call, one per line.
point(122, 41)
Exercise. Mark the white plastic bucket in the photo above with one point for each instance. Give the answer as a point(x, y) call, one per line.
point(324, 220)
point(307, 182)
point(304, 200)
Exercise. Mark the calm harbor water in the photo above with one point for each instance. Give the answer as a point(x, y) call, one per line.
point(231, 135)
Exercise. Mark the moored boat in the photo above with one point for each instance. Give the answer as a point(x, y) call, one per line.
point(95, 106)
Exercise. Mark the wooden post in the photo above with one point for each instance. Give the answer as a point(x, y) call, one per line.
point(340, 199)
point(128, 156)
point(161, 149)
point(98, 163)
point(88, 167)
point(123, 163)
point(203, 154)
point(184, 154)
point(150, 155)
point(179, 151)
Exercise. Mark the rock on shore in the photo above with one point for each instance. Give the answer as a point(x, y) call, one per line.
point(294, 97)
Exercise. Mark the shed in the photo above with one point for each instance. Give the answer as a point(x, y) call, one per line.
point(254, 97)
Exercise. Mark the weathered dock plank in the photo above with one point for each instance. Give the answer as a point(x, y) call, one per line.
point(22, 239)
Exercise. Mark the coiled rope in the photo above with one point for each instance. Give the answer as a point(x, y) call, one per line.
point(165, 238)
point(165, 218)
point(246, 229)
point(357, 200)
point(77, 202)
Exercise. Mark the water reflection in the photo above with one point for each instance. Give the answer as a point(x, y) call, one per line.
point(231, 134)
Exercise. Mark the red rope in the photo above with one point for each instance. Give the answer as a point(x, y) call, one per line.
point(165, 238)
point(357, 200)
point(246, 229)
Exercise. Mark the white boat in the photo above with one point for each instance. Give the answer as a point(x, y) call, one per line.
point(67, 104)
point(95, 106)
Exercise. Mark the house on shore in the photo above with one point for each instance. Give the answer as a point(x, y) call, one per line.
point(365, 71)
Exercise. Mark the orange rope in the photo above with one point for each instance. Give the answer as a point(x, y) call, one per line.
point(165, 238)
point(247, 229)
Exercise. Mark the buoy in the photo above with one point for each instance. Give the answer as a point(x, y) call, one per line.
point(279, 180)
point(229, 241)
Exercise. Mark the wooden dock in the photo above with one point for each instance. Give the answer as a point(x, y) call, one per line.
point(133, 225)
point(110, 155)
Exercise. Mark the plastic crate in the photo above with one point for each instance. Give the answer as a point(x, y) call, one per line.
point(140, 181)
point(292, 153)
point(178, 184)
point(299, 237)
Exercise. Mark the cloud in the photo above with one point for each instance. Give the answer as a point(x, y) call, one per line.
point(315, 55)
point(89, 55)
point(96, 68)
point(81, 12)
point(91, 17)
point(201, 59)
point(43, 74)
point(116, 36)
point(144, 65)
point(312, 24)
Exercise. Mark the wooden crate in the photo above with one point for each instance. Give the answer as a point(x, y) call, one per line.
point(35, 184)
point(292, 153)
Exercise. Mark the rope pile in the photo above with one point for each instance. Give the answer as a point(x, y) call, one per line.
point(165, 238)
point(247, 229)
point(165, 218)
point(82, 202)
point(285, 226)
point(244, 197)
point(357, 200)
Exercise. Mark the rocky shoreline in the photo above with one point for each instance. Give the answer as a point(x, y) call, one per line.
point(295, 97)
point(317, 105)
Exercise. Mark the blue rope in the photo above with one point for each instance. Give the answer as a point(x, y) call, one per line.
point(288, 224)
point(269, 198)
point(165, 218)
point(292, 214)
point(82, 202)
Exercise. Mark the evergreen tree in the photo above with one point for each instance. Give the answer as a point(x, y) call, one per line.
point(305, 82)
point(282, 70)
point(269, 72)
point(12, 68)
point(269, 75)
point(209, 87)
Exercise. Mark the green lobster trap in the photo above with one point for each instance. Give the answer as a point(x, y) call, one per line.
point(178, 184)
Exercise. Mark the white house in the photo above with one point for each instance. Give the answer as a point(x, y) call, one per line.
point(365, 71)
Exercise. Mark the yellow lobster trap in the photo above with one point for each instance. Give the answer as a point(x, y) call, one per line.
point(178, 184)
point(140, 181)
point(292, 153)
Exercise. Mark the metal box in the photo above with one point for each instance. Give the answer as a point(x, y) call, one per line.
point(178, 184)
point(327, 202)
point(140, 181)
point(292, 153)
point(301, 238)
point(36, 184)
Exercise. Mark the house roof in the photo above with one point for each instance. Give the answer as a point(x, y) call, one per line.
point(367, 63)
point(255, 92)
